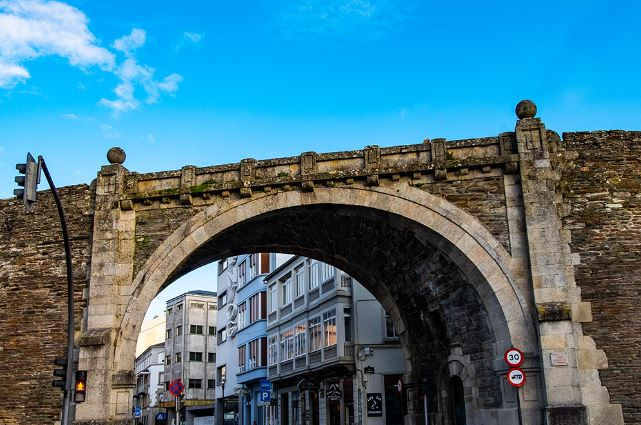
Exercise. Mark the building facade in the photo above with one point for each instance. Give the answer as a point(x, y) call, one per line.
point(333, 355)
point(241, 336)
point(149, 369)
point(190, 354)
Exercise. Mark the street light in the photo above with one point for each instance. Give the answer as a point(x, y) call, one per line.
point(223, 381)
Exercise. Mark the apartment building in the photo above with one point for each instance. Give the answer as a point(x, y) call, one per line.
point(241, 336)
point(190, 354)
point(333, 355)
point(149, 368)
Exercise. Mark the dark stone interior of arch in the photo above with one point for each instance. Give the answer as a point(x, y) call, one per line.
point(395, 259)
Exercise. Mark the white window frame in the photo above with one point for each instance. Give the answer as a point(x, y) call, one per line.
point(329, 322)
point(299, 277)
point(315, 333)
point(272, 298)
point(286, 287)
point(313, 275)
point(300, 343)
point(272, 350)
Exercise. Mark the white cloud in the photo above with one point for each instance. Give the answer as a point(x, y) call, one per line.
point(194, 37)
point(128, 43)
point(108, 132)
point(70, 116)
point(33, 28)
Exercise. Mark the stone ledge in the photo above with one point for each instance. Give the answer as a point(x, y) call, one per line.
point(94, 337)
point(554, 311)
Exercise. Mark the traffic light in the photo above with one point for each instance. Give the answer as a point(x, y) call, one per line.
point(29, 181)
point(80, 386)
point(61, 373)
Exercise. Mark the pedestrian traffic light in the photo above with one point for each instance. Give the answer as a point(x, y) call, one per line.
point(61, 373)
point(29, 181)
point(80, 386)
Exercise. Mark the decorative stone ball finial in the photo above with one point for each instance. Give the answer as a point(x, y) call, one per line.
point(116, 155)
point(525, 109)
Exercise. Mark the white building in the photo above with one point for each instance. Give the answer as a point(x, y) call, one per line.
point(149, 368)
point(190, 354)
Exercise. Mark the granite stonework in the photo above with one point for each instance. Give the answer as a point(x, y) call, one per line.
point(472, 246)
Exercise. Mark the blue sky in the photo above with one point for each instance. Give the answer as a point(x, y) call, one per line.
point(202, 82)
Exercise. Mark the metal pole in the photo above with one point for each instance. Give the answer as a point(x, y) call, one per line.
point(518, 406)
point(66, 401)
point(177, 412)
point(425, 408)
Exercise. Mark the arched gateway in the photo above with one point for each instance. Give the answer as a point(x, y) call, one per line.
point(460, 241)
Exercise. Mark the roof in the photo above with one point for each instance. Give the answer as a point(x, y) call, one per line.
point(201, 293)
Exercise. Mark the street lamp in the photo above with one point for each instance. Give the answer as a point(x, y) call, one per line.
point(223, 381)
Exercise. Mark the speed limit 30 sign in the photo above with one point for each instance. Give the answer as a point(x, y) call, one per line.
point(513, 357)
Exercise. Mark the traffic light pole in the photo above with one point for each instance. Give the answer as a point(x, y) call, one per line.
point(66, 401)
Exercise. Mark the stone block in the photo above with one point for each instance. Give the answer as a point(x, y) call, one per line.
point(591, 359)
point(582, 312)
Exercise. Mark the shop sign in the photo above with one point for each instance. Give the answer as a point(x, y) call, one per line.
point(334, 392)
point(374, 405)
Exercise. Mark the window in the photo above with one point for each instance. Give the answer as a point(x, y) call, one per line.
point(198, 305)
point(253, 265)
point(221, 373)
point(242, 310)
point(390, 330)
point(195, 383)
point(313, 275)
point(264, 262)
point(213, 306)
point(222, 336)
point(196, 329)
point(254, 352)
point(179, 357)
point(242, 350)
point(347, 316)
point(273, 298)
point(315, 334)
point(179, 307)
point(211, 357)
point(222, 265)
point(212, 330)
point(326, 272)
point(169, 310)
point(272, 352)
point(287, 345)
point(299, 276)
point(166, 385)
point(300, 347)
point(222, 300)
point(242, 276)
point(286, 291)
point(168, 360)
point(257, 307)
point(210, 384)
point(179, 330)
point(195, 356)
point(329, 326)
point(168, 334)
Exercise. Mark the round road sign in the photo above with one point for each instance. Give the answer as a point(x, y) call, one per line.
point(516, 377)
point(513, 357)
point(399, 385)
point(176, 387)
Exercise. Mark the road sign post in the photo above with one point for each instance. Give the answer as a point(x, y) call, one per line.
point(515, 376)
point(176, 388)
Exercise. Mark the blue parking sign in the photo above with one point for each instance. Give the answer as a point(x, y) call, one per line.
point(137, 412)
point(265, 390)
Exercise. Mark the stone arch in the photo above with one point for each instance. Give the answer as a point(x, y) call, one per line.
point(459, 237)
point(458, 365)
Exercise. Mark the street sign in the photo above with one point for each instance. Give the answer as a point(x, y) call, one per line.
point(399, 385)
point(265, 396)
point(176, 387)
point(513, 357)
point(368, 369)
point(265, 385)
point(516, 377)
point(334, 392)
point(374, 404)
point(137, 412)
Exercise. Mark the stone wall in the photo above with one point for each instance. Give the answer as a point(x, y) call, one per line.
point(601, 188)
point(33, 291)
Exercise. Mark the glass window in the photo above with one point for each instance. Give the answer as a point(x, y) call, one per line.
point(273, 298)
point(168, 360)
point(222, 336)
point(253, 265)
point(179, 357)
point(168, 334)
point(222, 265)
point(195, 356)
point(313, 274)
point(254, 352)
point(315, 334)
point(257, 307)
point(286, 291)
point(169, 310)
point(242, 311)
point(299, 276)
point(242, 351)
point(210, 384)
point(347, 315)
point(329, 326)
point(179, 330)
point(195, 383)
point(198, 305)
point(211, 357)
point(300, 345)
point(221, 373)
point(212, 330)
point(286, 345)
point(326, 271)
point(179, 307)
point(196, 329)
point(242, 276)
point(390, 330)
point(222, 300)
point(272, 352)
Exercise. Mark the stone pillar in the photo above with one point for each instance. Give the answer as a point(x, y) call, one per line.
point(570, 360)
point(110, 385)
